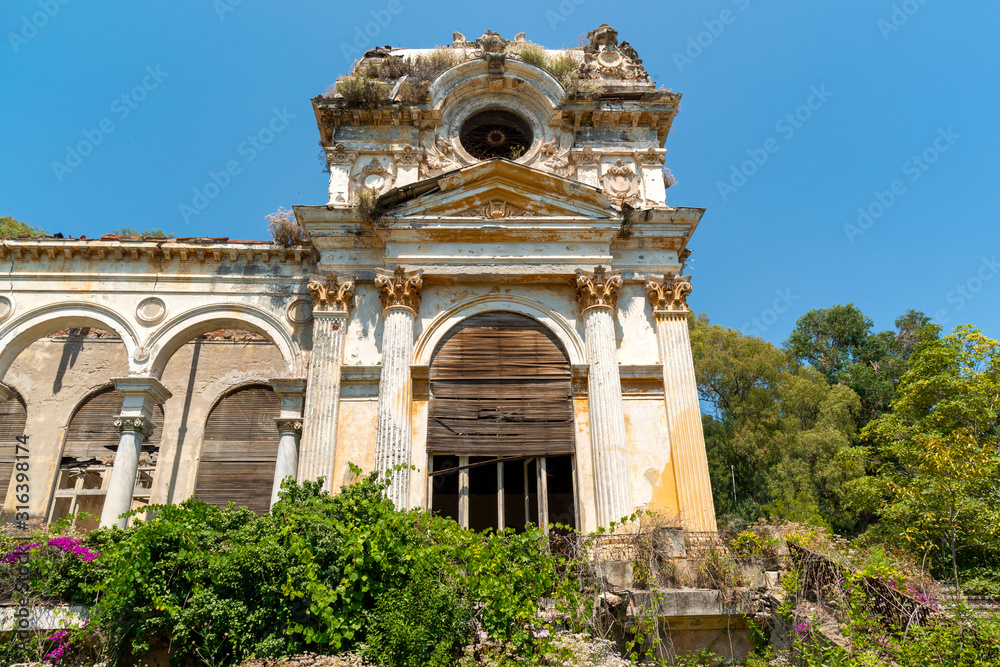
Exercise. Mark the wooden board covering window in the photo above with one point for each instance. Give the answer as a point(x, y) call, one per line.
point(13, 417)
point(92, 433)
point(500, 385)
point(240, 450)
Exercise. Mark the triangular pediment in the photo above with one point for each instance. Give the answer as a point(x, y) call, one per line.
point(499, 189)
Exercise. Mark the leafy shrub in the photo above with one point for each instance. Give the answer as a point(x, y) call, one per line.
point(285, 229)
point(325, 573)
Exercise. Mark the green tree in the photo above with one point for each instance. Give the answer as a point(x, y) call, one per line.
point(776, 429)
point(936, 473)
point(839, 343)
point(11, 227)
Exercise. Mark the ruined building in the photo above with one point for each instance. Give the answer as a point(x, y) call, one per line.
point(493, 294)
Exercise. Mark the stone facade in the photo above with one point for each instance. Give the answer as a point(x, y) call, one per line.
point(518, 180)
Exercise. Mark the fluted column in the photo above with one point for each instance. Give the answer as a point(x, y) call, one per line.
point(332, 300)
point(290, 393)
point(135, 423)
point(400, 296)
point(680, 388)
point(598, 294)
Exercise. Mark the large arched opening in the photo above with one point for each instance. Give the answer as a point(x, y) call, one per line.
point(500, 432)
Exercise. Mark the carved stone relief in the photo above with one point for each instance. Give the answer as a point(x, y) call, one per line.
point(398, 289)
point(603, 58)
point(375, 175)
point(669, 294)
point(598, 288)
point(496, 210)
point(330, 293)
point(621, 183)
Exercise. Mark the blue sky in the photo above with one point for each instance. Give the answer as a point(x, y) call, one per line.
point(795, 116)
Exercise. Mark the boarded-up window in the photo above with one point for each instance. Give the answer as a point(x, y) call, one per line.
point(240, 450)
point(13, 417)
point(92, 433)
point(88, 457)
point(501, 384)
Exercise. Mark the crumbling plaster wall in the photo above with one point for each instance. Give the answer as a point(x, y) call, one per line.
point(54, 375)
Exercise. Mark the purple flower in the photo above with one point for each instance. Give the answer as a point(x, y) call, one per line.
point(803, 628)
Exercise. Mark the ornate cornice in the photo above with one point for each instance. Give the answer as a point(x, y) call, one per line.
point(140, 425)
point(398, 289)
point(670, 294)
point(293, 425)
point(598, 288)
point(332, 294)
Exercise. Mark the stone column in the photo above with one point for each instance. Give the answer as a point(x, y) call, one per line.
point(332, 300)
point(135, 423)
point(598, 294)
point(680, 388)
point(290, 392)
point(400, 296)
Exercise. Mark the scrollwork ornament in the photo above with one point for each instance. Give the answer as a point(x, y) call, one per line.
point(597, 289)
point(670, 294)
point(139, 425)
point(291, 425)
point(399, 289)
point(330, 293)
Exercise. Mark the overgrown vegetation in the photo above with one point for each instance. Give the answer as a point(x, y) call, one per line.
point(285, 228)
point(362, 92)
point(564, 68)
point(327, 573)
point(128, 232)
point(9, 227)
point(369, 209)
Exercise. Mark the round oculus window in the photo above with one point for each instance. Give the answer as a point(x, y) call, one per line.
point(496, 133)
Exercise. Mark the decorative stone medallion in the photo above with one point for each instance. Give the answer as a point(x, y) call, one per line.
point(6, 308)
point(299, 312)
point(151, 310)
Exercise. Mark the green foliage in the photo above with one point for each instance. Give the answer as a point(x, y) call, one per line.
point(369, 209)
point(321, 572)
point(839, 343)
point(777, 427)
point(748, 544)
point(935, 456)
point(11, 227)
point(147, 233)
point(420, 72)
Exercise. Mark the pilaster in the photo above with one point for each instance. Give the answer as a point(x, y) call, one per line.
point(332, 298)
point(400, 295)
point(687, 439)
point(598, 295)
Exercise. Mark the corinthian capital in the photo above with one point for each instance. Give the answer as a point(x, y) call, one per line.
point(330, 293)
point(398, 289)
point(598, 288)
point(669, 294)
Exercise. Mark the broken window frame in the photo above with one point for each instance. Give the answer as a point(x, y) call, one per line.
point(140, 495)
point(541, 493)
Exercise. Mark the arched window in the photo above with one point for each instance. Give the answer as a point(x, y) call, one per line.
point(240, 450)
point(13, 417)
point(89, 455)
point(500, 426)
